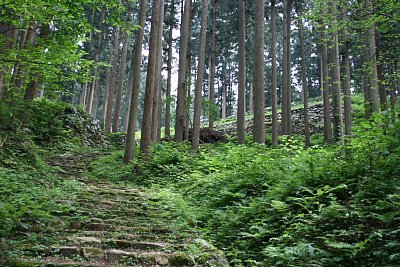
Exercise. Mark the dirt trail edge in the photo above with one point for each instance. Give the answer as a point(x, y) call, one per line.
point(106, 224)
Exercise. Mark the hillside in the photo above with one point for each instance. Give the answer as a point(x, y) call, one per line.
point(64, 204)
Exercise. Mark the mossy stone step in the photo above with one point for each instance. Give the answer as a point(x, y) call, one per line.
point(136, 245)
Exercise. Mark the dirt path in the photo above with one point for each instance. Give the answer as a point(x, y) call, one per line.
point(111, 225)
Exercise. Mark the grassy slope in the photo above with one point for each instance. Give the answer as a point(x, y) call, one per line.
point(287, 206)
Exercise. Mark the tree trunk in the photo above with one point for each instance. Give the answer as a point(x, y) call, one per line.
point(374, 87)
point(392, 93)
point(31, 89)
point(212, 65)
point(157, 101)
point(17, 76)
point(89, 105)
point(105, 96)
point(347, 77)
point(200, 76)
point(150, 80)
point(111, 87)
point(187, 122)
point(82, 100)
point(169, 79)
point(224, 82)
point(259, 96)
point(274, 93)
point(241, 109)
point(136, 68)
point(128, 98)
point(286, 72)
point(96, 98)
point(304, 84)
point(180, 104)
point(325, 82)
point(380, 70)
point(336, 85)
point(118, 101)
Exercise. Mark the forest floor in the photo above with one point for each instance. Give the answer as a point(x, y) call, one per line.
point(106, 224)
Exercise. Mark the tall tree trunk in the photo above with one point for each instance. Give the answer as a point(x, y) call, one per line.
point(336, 85)
point(200, 76)
point(157, 101)
point(212, 64)
point(82, 100)
point(111, 87)
point(89, 105)
point(251, 97)
point(325, 78)
point(241, 109)
point(366, 81)
point(136, 68)
point(105, 96)
point(392, 92)
point(180, 104)
point(169, 79)
point(224, 82)
point(31, 89)
point(286, 72)
point(259, 96)
point(347, 77)
point(128, 98)
point(150, 80)
point(96, 97)
point(274, 83)
point(374, 87)
point(187, 122)
point(304, 84)
point(118, 101)
point(380, 70)
point(17, 75)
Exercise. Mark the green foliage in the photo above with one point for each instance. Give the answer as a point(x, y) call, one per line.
point(289, 205)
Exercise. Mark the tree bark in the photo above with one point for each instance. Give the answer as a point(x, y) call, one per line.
point(82, 100)
point(259, 96)
point(325, 82)
point(374, 87)
point(89, 105)
point(136, 68)
point(150, 81)
point(212, 65)
point(224, 82)
point(200, 76)
point(336, 84)
point(169, 79)
point(303, 77)
point(346, 83)
point(180, 104)
point(241, 108)
point(392, 93)
point(111, 87)
point(286, 72)
point(157, 101)
point(274, 93)
point(118, 101)
point(380, 71)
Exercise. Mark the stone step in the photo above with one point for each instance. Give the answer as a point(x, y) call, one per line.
point(128, 236)
point(54, 262)
point(67, 256)
point(135, 245)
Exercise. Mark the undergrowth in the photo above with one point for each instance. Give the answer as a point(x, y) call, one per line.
point(326, 205)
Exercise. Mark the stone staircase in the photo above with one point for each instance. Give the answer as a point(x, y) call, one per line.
point(109, 225)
